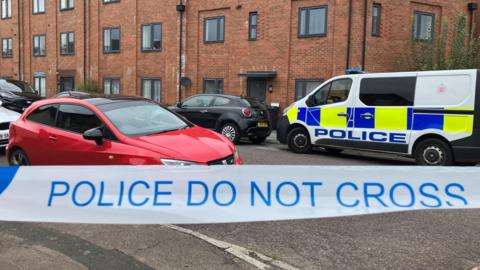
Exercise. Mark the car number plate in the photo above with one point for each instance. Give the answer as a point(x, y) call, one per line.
point(4, 135)
point(262, 124)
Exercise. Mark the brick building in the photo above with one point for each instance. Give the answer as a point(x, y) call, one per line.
point(274, 50)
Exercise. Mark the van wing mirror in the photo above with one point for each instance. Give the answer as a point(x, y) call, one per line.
point(310, 101)
point(94, 134)
point(179, 104)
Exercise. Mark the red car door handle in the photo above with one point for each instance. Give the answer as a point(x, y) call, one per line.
point(52, 138)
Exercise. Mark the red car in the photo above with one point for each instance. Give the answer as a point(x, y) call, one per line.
point(89, 130)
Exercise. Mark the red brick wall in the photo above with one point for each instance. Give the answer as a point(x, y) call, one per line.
point(277, 48)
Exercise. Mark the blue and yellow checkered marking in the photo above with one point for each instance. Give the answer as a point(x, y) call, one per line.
point(384, 118)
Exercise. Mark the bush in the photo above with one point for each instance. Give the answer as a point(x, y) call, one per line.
point(434, 55)
point(89, 86)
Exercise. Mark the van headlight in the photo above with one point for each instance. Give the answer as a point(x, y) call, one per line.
point(174, 162)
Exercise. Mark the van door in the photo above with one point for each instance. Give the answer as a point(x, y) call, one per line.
point(327, 113)
point(383, 113)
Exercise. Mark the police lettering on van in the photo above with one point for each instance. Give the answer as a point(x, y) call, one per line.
point(432, 116)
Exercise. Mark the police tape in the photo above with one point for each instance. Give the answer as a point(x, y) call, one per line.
point(221, 194)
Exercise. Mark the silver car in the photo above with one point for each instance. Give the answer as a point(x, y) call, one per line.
point(6, 116)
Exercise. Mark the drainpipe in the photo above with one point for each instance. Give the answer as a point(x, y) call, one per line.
point(19, 31)
point(85, 41)
point(181, 10)
point(472, 7)
point(364, 49)
point(349, 39)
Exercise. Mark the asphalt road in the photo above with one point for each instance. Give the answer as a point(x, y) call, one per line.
point(413, 240)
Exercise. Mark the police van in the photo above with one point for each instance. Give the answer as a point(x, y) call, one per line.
point(432, 116)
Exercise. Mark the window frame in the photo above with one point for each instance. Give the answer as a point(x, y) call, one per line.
point(378, 25)
point(68, 42)
point(119, 40)
point(9, 10)
point(151, 49)
point(106, 2)
point(70, 5)
point(57, 123)
point(416, 26)
point(217, 18)
point(8, 47)
point(38, 6)
point(39, 36)
point(330, 83)
point(152, 79)
point(386, 78)
point(112, 79)
point(252, 26)
point(34, 85)
point(307, 22)
point(298, 81)
point(216, 80)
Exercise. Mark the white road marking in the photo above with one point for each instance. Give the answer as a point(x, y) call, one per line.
point(267, 148)
point(254, 258)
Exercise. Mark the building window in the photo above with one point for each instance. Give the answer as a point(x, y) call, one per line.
point(214, 29)
point(111, 86)
point(67, 4)
point(6, 9)
point(423, 26)
point(39, 45)
point(152, 37)
point(252, 26)
point(376, 17)
point(305, 87)
point(312, 22)
point(7, 45)
point(213, 86)
point(111, 40)
point(388, 91)
point(151, 88)
point(38, 6)
point(40, 85)
point(67, 43)
point(110, 1)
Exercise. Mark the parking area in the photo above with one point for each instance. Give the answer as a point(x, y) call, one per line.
point(413, 240)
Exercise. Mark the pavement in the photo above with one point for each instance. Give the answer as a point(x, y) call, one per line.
point(437, 239)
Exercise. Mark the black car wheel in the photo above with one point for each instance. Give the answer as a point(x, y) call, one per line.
point(19, 158)
point(433, 152)
point(231, 131)
point(299, 140)
point(258, 139)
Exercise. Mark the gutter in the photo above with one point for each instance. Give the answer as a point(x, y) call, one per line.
point(349, 38)
point(364, 47)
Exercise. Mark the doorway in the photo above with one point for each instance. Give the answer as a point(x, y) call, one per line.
point(257, 88)
point(67, 84)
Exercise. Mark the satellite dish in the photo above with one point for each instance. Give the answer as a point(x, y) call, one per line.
point(185, 81)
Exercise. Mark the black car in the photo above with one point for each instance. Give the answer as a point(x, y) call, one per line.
point(17, 95)
point(234, 117)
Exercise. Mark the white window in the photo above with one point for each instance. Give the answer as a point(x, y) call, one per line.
point(6, 9)
point(67, 4)
point(151, 88)
point(152, 37)
point(7, 51)
point(111, 86)
point(40, 85)
point(312, 21)
point(423, 27)
point(38, 6)
point(39, 45)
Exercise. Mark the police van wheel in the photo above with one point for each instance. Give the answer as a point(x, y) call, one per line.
point(434, 152)
point(333, 150)
point(299, 140)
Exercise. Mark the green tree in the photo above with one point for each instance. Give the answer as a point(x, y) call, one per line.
point(89, 86)
point(434, 55)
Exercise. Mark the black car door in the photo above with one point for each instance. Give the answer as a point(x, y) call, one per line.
point(196, 110)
